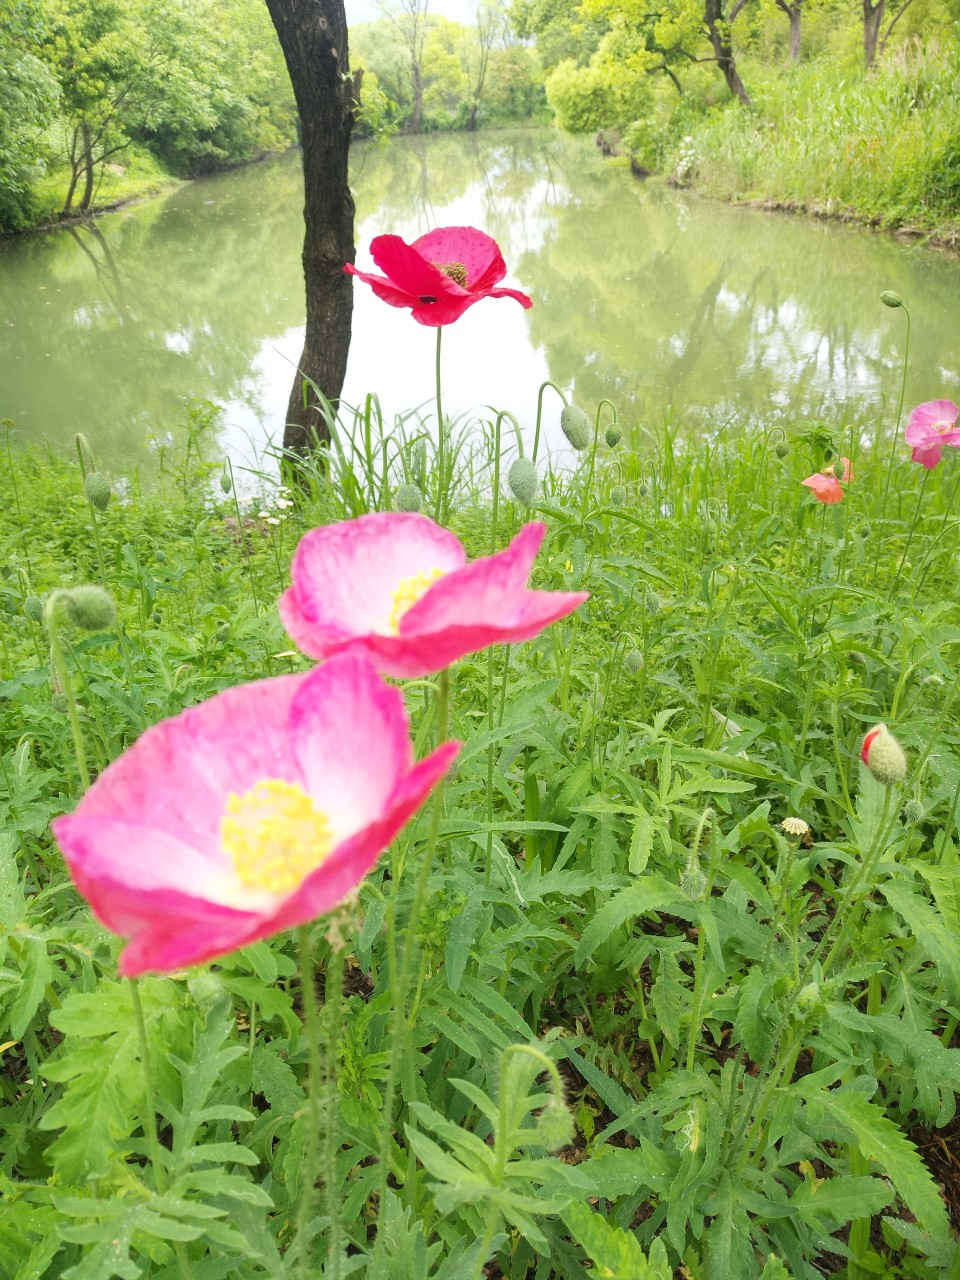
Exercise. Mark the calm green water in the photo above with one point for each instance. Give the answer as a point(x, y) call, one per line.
point(647, 296)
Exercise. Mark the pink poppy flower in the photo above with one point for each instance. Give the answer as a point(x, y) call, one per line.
point(439, 275)
point(254, 811)
point(398, 588)
point(931, 426)
point(826, 486)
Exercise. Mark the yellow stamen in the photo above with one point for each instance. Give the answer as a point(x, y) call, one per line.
point(455, 271)
point(409, 592)
point(274, 835)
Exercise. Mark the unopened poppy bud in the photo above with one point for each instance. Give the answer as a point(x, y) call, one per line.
point(555, 1128)
point(618, 495)
point(855, 658)
point(408, 498)
point(643, 489)
point(575, 425)
point(633, 661)
point(522, 481)
point(58, 700)
point(226, 479)
point(883, 756)
point(613, 435)
point(913, 812)
point(782, 450)
point(864, 531)
point(808, 996)
point(693, 883)
point(33, 608)
point(97, 488)
point(651, 603)
point(891, 299)
point(90, 608)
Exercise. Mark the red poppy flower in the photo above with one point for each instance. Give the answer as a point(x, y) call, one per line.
point(439, 275)
point(826, 485)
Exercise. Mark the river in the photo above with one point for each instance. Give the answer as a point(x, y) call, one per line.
point(648, 296)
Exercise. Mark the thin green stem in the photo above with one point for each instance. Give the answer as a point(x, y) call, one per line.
point(491, 716)
point(536, 432)
point(400, 986)
point(441, 442)
point(916, 517)
point(334, 1005)
point(308, 1176)
point(59, 665)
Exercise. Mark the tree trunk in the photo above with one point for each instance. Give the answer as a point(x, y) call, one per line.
point(718, 29)
point(88, 167)
point(472, 116)
point(872, 20)
point(417, 78)
point(313, 37)
point(794, 12)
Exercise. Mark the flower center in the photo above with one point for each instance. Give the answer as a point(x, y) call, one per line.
point(274, 835)
point(408, 593)
point(455, 271)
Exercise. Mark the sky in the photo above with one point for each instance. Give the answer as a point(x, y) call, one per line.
point(366, 10)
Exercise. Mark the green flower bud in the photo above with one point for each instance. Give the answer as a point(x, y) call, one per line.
point(643, 489)
point(855, 658)
point(408, 498)
point(913, 812)
point(90, 608)
point(156, 617)
point(226, 479)
point(782, 449)
point(651, 603)
point(58, 700)
point(522, 481)
point(808, 996)
point(891, 299)
point(693, 883)
point(618, 495)
point(884, 756)
point(633, 661)
point(575, 425)
point(33, 608)
point(613, 435)
point(555, 1128)
point(97, 488)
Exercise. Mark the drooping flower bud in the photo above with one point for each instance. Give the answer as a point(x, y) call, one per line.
point(575, 425)
point(782, 449)
point(891, 299)
point(33, 608)
point(618, 495)
point(913, 812)
point(98, 491)
point(884, 756)
point(226, 479)
point(90, 608)
point(408, 498)
point(555, 1128)
point(613, 435)
point(643, 489)
point(633, 661)
point(522, 481)
point(651, 603)
point(693, 883)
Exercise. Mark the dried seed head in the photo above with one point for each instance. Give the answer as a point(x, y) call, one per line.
point(522, 481)
point(884, 756)
point(795, 826)
point(408, 498)
point(98, 491)
point(575, 425)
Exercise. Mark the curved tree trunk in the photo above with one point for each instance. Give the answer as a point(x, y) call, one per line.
point(872, 19)
point(718, 29)
point(313, 36)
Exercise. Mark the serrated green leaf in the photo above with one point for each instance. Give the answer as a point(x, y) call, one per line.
point(615, 1253)
point(648, 895)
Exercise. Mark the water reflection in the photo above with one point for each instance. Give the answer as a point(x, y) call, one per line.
point(644, 295)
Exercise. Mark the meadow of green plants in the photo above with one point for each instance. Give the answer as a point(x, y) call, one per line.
point(661, 983)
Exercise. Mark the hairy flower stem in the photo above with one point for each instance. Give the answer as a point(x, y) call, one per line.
point(308, 1174)
point(491, 752)
point(536, 432)
point(400, 982)
point(59, 665)
point(441, 444)
point(149, 1117)
point(8, 427)
point(693, 1034)
point(916, 517)
point(334, 1007)
point(936, 541)
point(893, 447)
point(244, 547)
